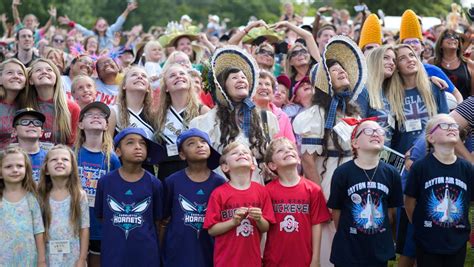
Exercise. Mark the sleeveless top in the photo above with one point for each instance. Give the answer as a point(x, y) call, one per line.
point(461, 78)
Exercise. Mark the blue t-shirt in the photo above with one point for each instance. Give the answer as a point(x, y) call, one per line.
point(442, 194)
point(364, 235)
point(433, 70)
point(186, 243)
point(36, 162)
point(129, 211)
point(415, 109)
point(91, 167)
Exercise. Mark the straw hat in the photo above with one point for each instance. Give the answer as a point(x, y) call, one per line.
point(410, 26)
point(226, 57)
point(271, 35)
point(174, 31)
point(347, 53)
point(371, 32)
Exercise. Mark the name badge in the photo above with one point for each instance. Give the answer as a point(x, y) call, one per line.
point(59, 247)
point(391, 121)
point(172, 150)
point(413, 125)
point(343, 130)
point(91, 200)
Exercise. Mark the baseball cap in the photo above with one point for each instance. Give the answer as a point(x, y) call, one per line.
point(156, 152)
point(99, 105)
point(213, 160)
point(28, 111)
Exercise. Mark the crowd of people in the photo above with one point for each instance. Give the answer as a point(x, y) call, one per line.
point(339, 143)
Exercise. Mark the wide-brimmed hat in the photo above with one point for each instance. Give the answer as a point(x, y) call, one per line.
point(175, 31)
point(270, 35)
point(227, 57)
point(347, 53)
point(410, 26)
point(371, 32)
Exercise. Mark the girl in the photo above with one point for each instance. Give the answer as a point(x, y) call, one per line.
point(83, 90)
point(437, 197)
point(153, 58)
point(65, 209)
point(95, 158)
point(177, 106)
point(295, 238)
point(13, 76)
point(22, 235)
point(364, 194)
point(47, 96)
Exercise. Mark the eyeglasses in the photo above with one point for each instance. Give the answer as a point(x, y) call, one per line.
point(451, 36)
point(412, 42)
point(296, 53)
point(26, 122)
point(59, 41)
point(446, 126)
point(94, 115)
point(86, 62)
point(265, 53)
point(371, 131)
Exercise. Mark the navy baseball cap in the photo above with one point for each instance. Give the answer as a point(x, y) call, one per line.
point(28, 111)
point(213, 160)
point(155, 152)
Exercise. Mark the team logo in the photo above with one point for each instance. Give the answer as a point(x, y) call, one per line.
point(245, 228)
point(289, 224)
point(369, 215)
point(193, 213)
point(128, 216)
point(446, 209)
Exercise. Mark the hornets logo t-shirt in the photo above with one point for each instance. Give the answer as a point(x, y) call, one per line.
point(129, 211)
point(442, 194)
point(186, 242)
point(364, 235)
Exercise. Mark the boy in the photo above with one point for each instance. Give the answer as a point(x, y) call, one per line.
point(28, 128)
point(129, 202)
point(187, 194)
point(239, 211)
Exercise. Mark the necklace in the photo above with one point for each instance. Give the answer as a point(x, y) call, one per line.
point(373, 175)
point(448, 63)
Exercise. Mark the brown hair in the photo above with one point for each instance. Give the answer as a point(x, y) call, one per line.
point(27, 183)
point(231, 146)
point(438, 52)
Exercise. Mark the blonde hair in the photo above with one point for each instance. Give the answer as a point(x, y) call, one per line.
point(74, 188)
point(79, 78)
point(271, 148)
point(172, 59)
point(164, 103)
point(59, 55)
point(27, 183)
point(429, 127)
point(148, 47)
point(376, 82)
point(3, 91)
point(396, 89)
point(124, 117)
point(225, 152)
point(62, 116)
point(290, 70)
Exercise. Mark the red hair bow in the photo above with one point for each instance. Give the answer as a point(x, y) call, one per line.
point(356, 122)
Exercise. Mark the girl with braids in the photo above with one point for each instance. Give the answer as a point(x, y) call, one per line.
point(65, 209)
point(232, 78)
point(177, 106)
point(95, 158)
point(338, 80)
point(13, 79)
point(46, 95)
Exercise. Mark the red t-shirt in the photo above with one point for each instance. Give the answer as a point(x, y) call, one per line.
point(297, 209)
point(241, 245)
point(50, 134)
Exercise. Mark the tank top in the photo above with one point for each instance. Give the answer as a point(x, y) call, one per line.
point(461, 78)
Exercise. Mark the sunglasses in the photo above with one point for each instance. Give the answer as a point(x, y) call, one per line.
point(26, 122)
point(412, 42)
point(446, 126)
point(265, 53)
point(59, 41)
point(451, 36)
point(371, 131)
point(298, 52)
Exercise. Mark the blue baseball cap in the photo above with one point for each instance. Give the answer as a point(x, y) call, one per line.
point(155, 152)
point(213, 160)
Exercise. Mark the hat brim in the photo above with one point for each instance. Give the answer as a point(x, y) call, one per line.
point(156, 153)
point(30, 112)
point(348, 54)
point(98, 105)
point(227, 57)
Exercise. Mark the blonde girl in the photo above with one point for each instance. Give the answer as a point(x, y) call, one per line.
point(154, 55)
point(46, 95)
point(65, 209)
point(83, 90)
point(22, 234)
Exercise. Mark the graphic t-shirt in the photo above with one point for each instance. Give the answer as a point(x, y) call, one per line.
point(129, 211)
point(186, 242)
point(91, 167)
point(50, 133)
point(297, 209)
point(106, 93)
point(20, 222)
point(36, 162)
point(364, 235)
point(442, 194)
point(239, 246)
point(7, 112)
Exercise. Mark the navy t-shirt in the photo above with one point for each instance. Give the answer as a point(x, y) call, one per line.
point(442, 194)
point(186, 243)
point(129, 211)
point(364, 236)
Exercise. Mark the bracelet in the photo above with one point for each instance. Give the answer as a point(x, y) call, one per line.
point(71, 24)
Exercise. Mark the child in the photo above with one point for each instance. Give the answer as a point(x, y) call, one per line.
point(187, 194)
point(95, 158)
point(65, 209)
point(299, 206)
point(364, 194)
point(28, 128)
point(437, 197)
point(153, 53)
point(129, 202)
point(83, 90)
point(22, 234)
point(239, 211)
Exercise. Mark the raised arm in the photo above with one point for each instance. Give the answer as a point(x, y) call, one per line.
point(64, 20)
point(16, 14)
point(238, 36)
point(52, 18)
point(117, 26)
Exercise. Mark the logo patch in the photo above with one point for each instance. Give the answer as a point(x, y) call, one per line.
point(128, 216)
point(193, 213)
point(289, 224)
point(245, 228)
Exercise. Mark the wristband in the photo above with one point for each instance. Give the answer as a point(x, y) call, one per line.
point(71, 24)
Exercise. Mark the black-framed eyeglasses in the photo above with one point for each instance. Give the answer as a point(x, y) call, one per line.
point(26, 122)
point(93, 115)
point(296, 53)
point(451, 36)
point(371, 131)
point(265, 53)
point(446, 126)
point(59, 41)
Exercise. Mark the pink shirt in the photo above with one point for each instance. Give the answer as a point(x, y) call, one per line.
point(286, 129)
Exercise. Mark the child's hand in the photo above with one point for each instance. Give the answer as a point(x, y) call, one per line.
point(80, 263)
point(239, 215)
point(255, 213)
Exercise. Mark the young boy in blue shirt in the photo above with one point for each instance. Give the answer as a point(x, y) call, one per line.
point(186, 196)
